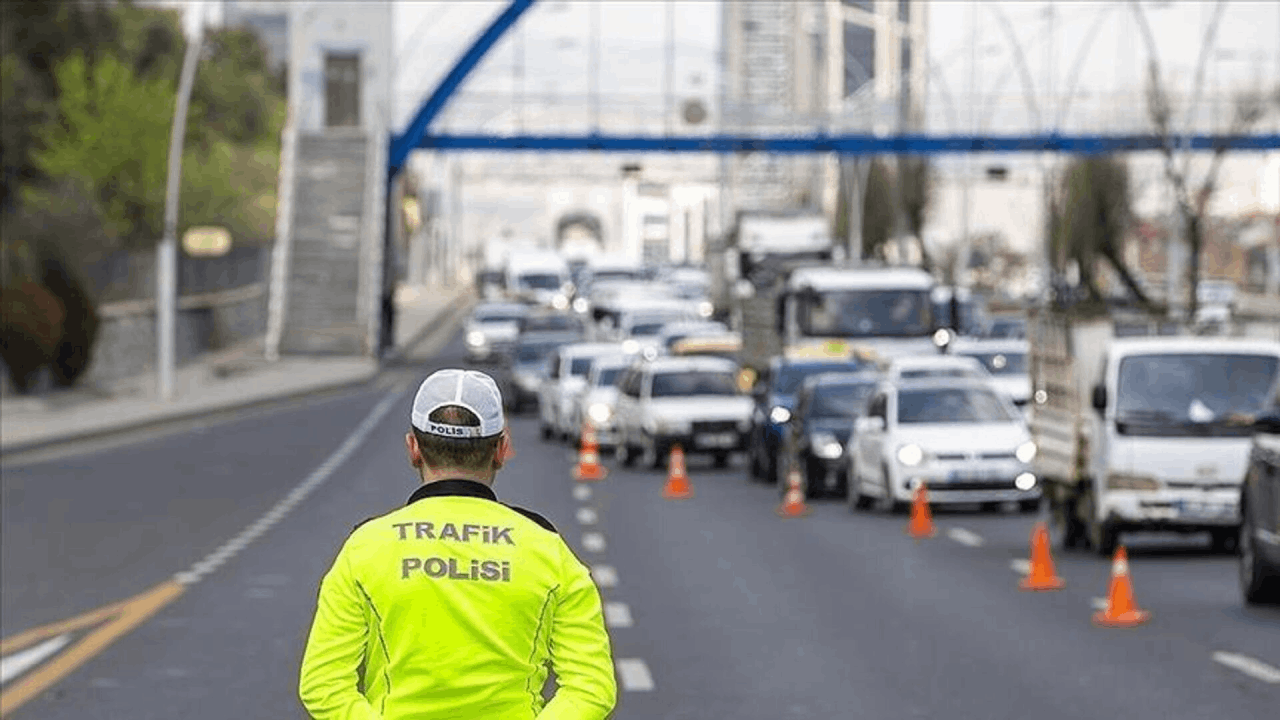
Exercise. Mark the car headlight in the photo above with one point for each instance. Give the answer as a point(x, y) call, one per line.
point(630, 346)
point(826, 446)
point(560, 302)
point(1025, 481)
point(1026, 452)
point(706, 309)
point(1128, 481)
point(910, 455)
point(580, 305)
point(475, 338)
point(600, 413)
point(779, 415)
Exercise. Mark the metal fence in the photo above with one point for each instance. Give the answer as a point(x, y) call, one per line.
point(130, 275)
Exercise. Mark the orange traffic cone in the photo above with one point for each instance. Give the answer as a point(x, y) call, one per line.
point(921, 524)
point(1121, 610)
point(1042, 575)
point(793, 502)
point(589, 468)
point(677, 487)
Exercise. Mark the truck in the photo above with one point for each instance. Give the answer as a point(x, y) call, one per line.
point(1142, 426)
point(759, 246)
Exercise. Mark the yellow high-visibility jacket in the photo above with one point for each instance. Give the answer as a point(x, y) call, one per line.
point(453, 607)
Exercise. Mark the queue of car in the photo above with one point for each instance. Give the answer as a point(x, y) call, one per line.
point(641, 361)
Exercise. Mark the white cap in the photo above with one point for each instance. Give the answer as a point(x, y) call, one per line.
point(469, 389)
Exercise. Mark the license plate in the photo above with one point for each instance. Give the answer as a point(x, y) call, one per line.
point(1192, 509)
point(717, 440)
point(970, 476)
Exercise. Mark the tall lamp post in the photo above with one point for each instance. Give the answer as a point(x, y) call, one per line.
point(167, 252)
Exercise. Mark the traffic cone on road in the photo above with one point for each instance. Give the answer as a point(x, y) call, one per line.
point(677, 487)
point(1121, 610)
point(589, 468)
point(921, 524)
point(1042, 575)
point(793, 504)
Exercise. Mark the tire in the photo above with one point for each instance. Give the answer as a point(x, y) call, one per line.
point(1259, 584)
point(1064, 523)
point(627, 454)
point(896, 506)
point(1225, 540)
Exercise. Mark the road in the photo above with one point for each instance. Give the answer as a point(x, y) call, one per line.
point(718, 607)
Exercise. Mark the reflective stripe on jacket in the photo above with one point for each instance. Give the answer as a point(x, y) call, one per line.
point(454, 606)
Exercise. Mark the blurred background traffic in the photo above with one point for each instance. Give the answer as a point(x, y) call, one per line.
point(1025, 256)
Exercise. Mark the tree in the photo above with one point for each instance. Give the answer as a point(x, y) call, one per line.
point(878, 217)
point(1191, 199)
point(915, 192)
point(1090, 217)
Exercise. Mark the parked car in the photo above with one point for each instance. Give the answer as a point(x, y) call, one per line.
point(526, 367)
point(694, 402)
point(1260, 514)
point(775, 391)
point(961, 437)
point(815, 438)
point(492, 329)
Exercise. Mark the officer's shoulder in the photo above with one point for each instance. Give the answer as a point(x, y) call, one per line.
point(541, 521)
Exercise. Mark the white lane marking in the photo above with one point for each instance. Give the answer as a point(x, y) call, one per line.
point(965, 537)
point(1020, 566)
point(605, 575)
point(582, 492)
point(587, 516)
point(634, 675)
point(23, 660)
point(617, 615)
point(1247, 665)
point(235, 545)
point(593, 541)
point(1099, 603)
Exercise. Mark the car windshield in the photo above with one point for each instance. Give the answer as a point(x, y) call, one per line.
point(1008, 328)
point(694, 382)
point(952, 405)
point(1002, 363)
point(606, 275)
point(580, 366)
point(531, 354)
point(549, 322)
point(937, 372)
point(608, 377)
point(791, 376)
point(541, 281)
point(647, 328)
point(866, 313)
point(492, 319)
point(840, 401)
point(1214, 394)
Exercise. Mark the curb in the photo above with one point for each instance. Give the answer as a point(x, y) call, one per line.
point(395, 358)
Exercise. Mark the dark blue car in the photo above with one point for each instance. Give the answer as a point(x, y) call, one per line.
point(775, 394)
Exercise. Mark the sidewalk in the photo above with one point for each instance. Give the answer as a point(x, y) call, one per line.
point(225, 380)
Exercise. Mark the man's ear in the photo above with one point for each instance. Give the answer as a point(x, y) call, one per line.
point(506, 450)
point(411, 445)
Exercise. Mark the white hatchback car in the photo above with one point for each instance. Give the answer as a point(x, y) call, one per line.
point(962, 438)
point(1005, 360)
point(597, 401)
point(566, 377)
point(915, 367)
point(492, 328)
point(694, 402)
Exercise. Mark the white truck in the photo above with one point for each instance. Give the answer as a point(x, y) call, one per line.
point(539, 277)
point(1142, 433)
point(759, 247)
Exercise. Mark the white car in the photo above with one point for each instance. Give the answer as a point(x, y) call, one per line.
point(597, 401)
point(1005, 361)
point(492, 328)
point(962, 438)
point(694, 402)
point(566, 377)
point(916, 367)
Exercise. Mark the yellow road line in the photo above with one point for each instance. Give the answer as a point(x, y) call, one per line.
point(115, 621)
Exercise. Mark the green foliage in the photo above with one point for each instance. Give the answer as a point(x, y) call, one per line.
point(112, 142)
point(878, 211)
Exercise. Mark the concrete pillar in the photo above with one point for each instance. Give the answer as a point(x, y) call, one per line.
point(1273, 262)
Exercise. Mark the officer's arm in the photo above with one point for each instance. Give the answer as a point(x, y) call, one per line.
point(335, 649)
point(580, 654)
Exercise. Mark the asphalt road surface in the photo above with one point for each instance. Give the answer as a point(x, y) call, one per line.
point(718, 608)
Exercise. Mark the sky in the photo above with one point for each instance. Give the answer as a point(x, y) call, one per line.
point(1104, 35)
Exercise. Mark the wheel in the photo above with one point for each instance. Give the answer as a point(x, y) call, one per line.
point(1103, 538)
point(896, 506)
point(546, 431)
point(1259, 583)
point(1064, 523)
point(627, 454)
point(1028, 506)
point(722, 460)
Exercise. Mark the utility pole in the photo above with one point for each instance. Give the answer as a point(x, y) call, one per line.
point(962, 257)
point(167, 252)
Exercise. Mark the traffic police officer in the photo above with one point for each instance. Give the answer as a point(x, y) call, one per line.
point(455, 605)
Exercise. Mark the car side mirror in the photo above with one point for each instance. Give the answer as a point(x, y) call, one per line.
point(1268, 423)
point(1099, 397)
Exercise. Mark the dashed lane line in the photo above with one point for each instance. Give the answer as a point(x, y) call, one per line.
point(593, 542)
point(1021, 566)
point(605, 575)
point(617, 615)
point(965, 537)
point(634, 675)
point(587, 516)
point(1255, 669)
point(582, 493)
